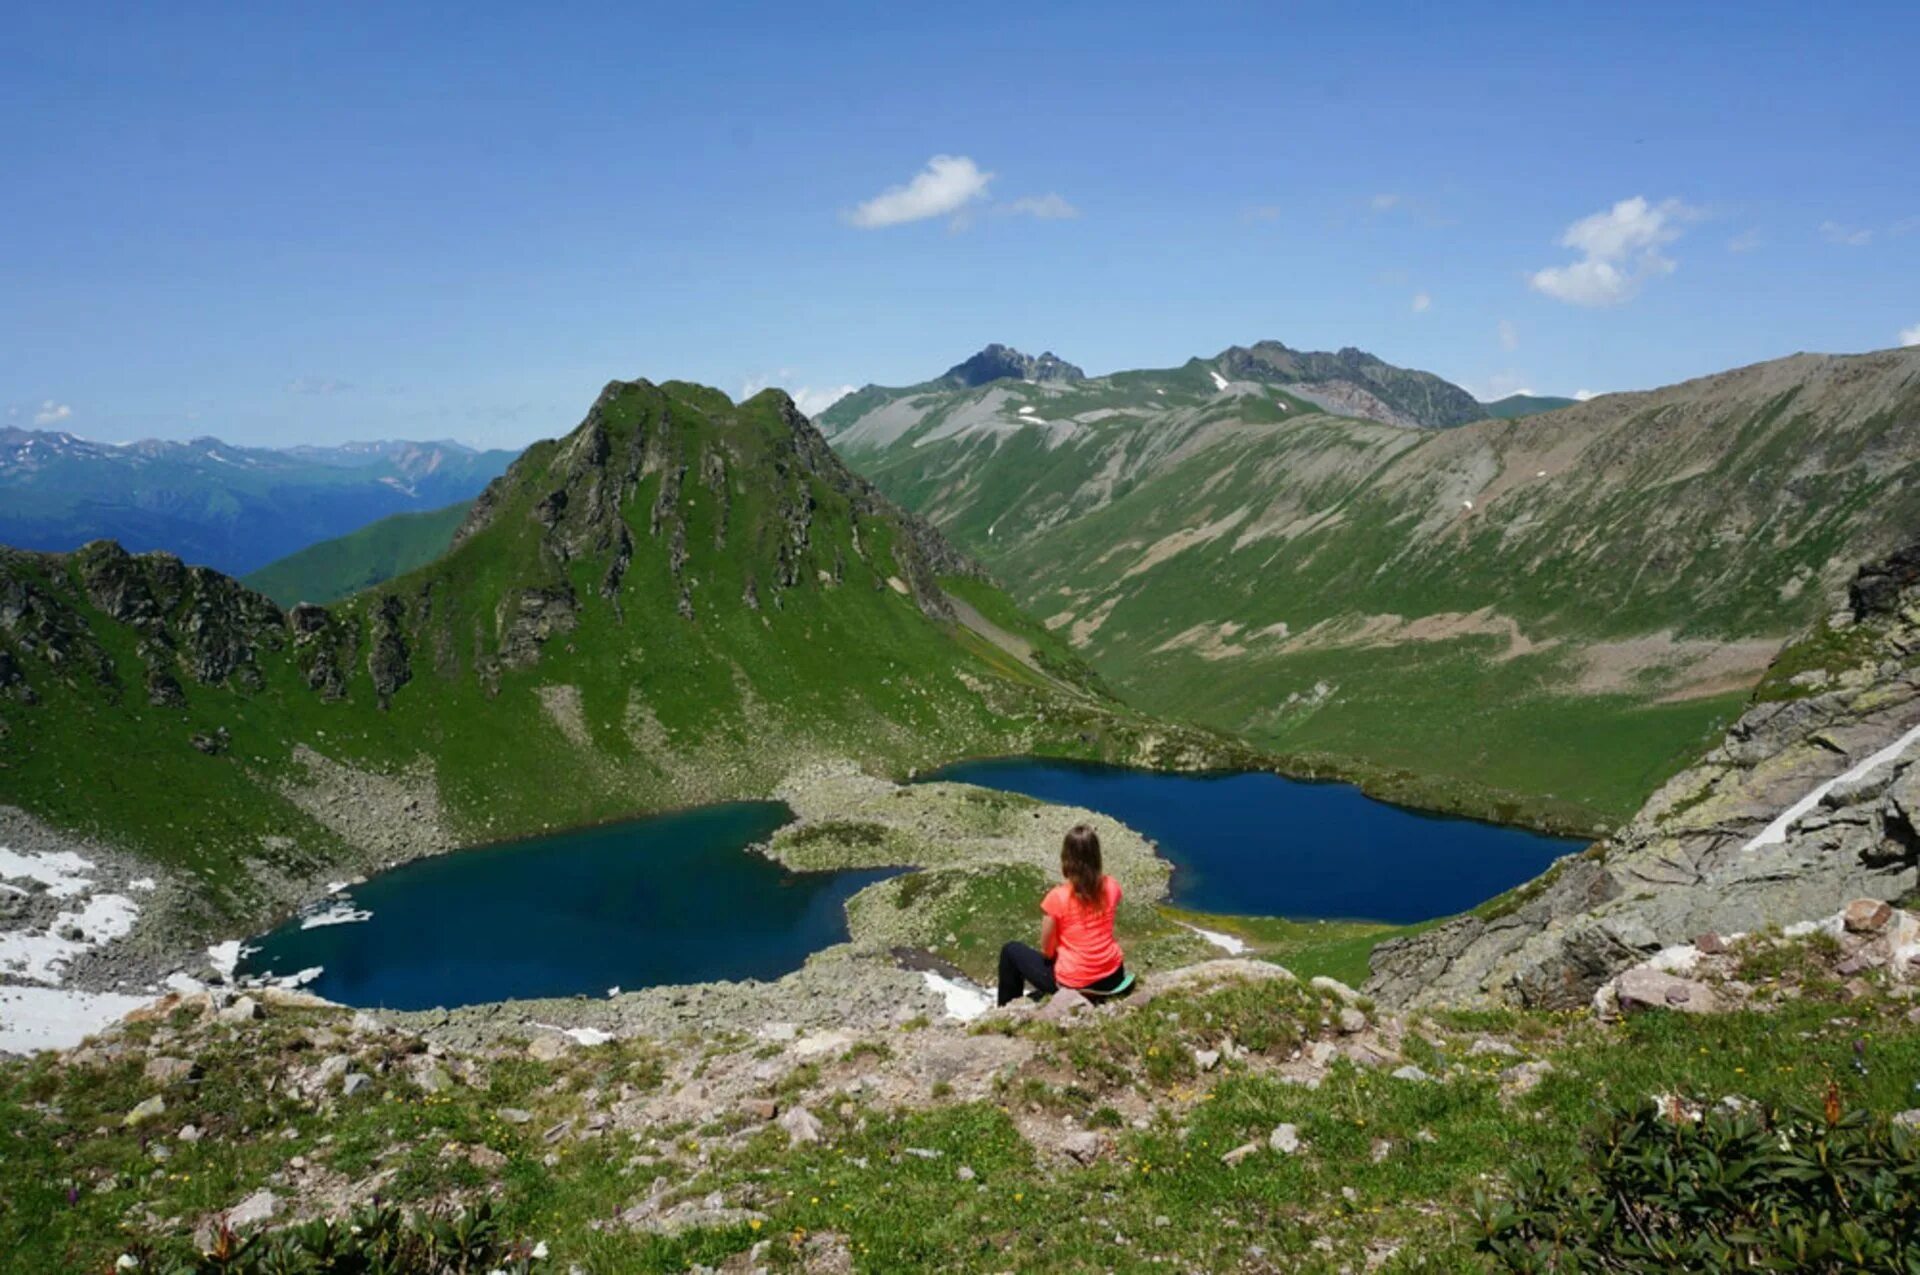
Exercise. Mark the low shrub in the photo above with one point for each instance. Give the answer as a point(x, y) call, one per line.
point(1753, 1190)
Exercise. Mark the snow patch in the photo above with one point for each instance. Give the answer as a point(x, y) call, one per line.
point(42, 957)
point(342, 913)
point(35, 1018)
point(63, 872)
point(1219, 381)
point(225, 957)
point(1225, 942)
point(143, 883)
point(588, 1036)
point(1776, 832)
point(1679, 959)
point(964, 1001)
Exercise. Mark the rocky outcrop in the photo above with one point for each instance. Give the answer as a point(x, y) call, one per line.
point(1353, 382)
point(1004, 363)
point(1808, 802)
point(1868, 939)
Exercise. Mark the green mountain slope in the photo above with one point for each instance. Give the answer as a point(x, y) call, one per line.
point(683, 600)
point(1539, 617)
point(1516, 405)
point(377, 552)
point(1000, 388)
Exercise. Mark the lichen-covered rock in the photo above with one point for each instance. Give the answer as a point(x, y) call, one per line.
point(1641, 989)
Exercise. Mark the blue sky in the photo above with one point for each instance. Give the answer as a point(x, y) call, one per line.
point(281, 223)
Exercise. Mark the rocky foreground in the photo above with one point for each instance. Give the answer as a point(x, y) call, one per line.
point(1226, 1117)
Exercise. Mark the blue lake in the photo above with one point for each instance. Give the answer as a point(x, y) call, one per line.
point(667, 899)
point(1256, 844)
point(674, 899)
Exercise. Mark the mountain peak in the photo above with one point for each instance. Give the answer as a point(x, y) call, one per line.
point(1002, 363)
point(1354, 382)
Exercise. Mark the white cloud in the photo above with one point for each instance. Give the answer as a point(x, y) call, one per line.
point(1047, 207)
point(1509, 335)
point(1619, 250)
point(1745, 241)
point(946, 185)
point(318, 385)
point(1581, 396)
point(1422, 303)
point(1383, 202)
point(1850, 236)
point(811, 400)
point(1498, 386)
point(52, 413)
point(1910, 336)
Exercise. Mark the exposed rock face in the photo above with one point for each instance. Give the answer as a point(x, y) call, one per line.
point(1707, 855)
point(1000, 363)
point(1356, 383)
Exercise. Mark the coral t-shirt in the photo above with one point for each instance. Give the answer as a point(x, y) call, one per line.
point(1087, 952)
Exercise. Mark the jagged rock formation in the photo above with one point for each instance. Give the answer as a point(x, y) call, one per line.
point(1812, 799)
point(1355, 383)
point(1000, 362)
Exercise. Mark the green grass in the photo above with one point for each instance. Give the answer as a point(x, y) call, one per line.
point(1338, 949)
point(376, 553)
point(1385, 1161)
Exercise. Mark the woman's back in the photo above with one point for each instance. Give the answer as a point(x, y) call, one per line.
point(1088, 951)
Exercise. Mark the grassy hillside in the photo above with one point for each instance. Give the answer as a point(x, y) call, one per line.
point(678, 602)
point(1517, 405)
point(376, 553)
point(1540, 617)
point(1142, 1136)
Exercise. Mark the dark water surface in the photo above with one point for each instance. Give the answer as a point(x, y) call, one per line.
point(1257, 844)
point(666, 899)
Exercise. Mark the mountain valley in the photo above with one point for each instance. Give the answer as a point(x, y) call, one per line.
point(1539, 618)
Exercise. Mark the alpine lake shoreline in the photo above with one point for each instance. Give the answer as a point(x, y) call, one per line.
point(968, 863)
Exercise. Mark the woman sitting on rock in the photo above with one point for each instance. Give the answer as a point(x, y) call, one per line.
point(1077, 948)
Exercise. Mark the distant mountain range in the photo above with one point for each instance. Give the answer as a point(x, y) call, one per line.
point(1537, 618)
point(215, 504)
point(1348, 382)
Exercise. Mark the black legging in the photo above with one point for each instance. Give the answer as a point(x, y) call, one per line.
point(1021, 965)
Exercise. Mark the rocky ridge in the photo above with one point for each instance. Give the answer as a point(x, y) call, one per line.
point(1353, 382)
point(1000, 362)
